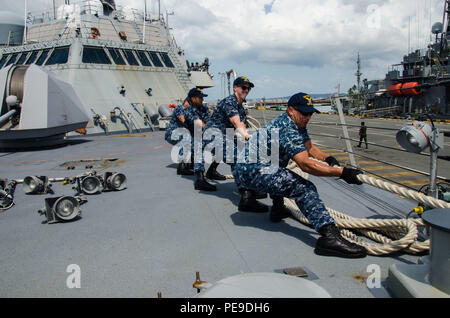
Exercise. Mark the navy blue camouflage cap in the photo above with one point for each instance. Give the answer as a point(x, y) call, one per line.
point(241, 81)
point(196, 92)
point(303, 103)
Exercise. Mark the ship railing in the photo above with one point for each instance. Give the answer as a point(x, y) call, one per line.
point(83, 7)
point(85, 66)
point(381, 111)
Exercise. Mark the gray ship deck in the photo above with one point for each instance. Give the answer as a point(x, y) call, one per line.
point(157, 233)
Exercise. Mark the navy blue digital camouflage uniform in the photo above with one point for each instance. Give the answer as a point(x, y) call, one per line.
point(276, 179)
point(192, 114)
point(174, 124)
point(220, 119)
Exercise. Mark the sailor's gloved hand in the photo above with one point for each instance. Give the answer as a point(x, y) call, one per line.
point(350, 175)
point(332, 161)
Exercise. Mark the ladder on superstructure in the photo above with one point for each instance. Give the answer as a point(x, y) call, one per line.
point(180, 73)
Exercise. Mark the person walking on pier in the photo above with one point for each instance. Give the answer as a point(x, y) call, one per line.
point(290, 137)
point(362, 135)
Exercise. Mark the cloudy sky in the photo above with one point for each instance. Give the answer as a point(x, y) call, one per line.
point(287, 46)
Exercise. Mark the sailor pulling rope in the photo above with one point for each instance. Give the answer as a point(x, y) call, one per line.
point(392, 235)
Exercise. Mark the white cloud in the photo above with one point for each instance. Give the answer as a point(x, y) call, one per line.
point(312, 33)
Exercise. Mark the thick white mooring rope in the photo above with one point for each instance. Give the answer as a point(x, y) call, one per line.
point(411, 194)
point(402, 191)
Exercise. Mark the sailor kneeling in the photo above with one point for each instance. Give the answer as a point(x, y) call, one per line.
point(177, 123)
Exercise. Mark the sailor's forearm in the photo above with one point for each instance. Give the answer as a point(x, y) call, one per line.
point(318, 154)
point(319, 169)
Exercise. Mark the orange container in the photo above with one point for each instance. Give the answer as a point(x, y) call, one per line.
point(394, 89)
point(409, 89)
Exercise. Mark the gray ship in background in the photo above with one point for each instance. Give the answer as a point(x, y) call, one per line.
point(125, 68)
point(420, 83)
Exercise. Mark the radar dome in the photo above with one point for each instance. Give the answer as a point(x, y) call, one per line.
point(64, 12)
point(68, 11)
point(128, 13)
point(437, 28)
point(93, 7)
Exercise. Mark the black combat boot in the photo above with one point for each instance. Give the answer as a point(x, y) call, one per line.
point(331, 243)
point(259, 195)
point(213, 174)
point(278, 211)
point(190, 165)
point(184, 170)
point(202, 184)
point(248, 203)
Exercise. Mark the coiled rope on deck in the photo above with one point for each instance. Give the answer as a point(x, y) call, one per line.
point(393, 234)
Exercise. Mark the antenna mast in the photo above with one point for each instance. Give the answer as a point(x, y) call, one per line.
point(54, 10)
point(358, 79)
point(25, 25)
point(358, 72)
point(145, 18)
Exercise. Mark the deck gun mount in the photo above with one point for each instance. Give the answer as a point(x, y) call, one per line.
point(37, 108)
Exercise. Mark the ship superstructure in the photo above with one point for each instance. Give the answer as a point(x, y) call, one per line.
point(421, 82)
point(124, 64)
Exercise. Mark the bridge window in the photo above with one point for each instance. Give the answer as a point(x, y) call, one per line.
point(60, 55)
point(155, 59)
point(42, 57)
point(130, 57)
point(95, 55)
point(116, 56)
point(22, 58)
point(12, 59)
point(3, 60)
point(166, 59)
point(32, 58)
point(143, 58)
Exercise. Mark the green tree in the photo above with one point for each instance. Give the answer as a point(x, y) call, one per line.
point(355, 96)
